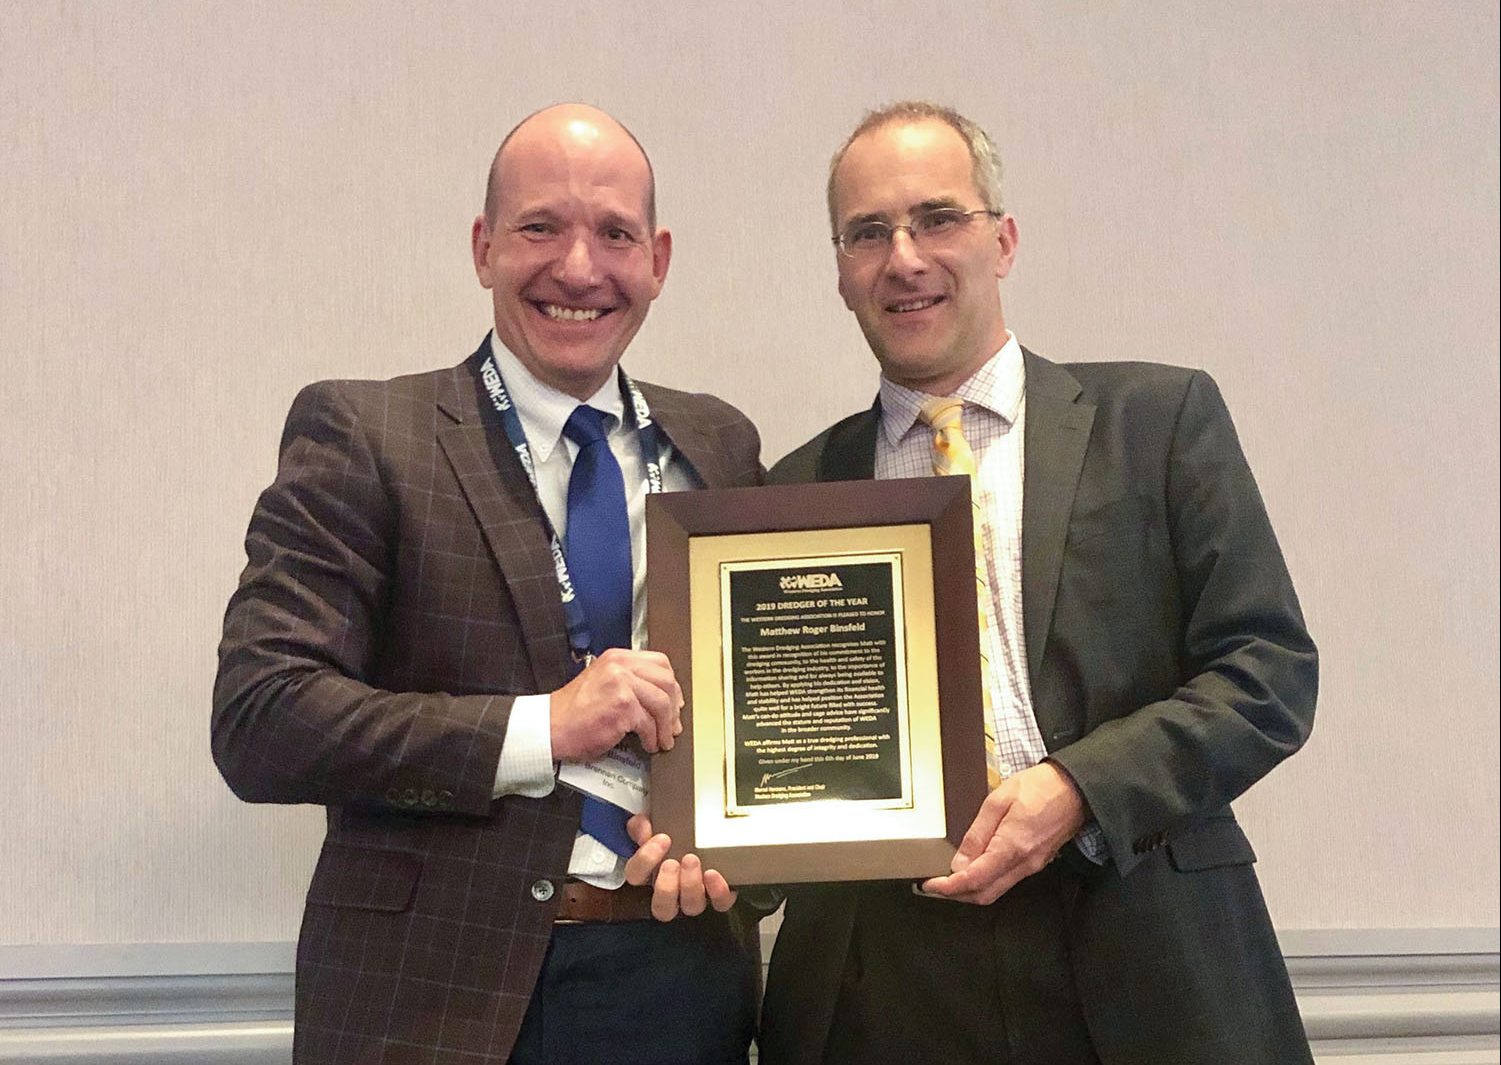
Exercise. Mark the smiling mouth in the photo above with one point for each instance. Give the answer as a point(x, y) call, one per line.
point(908, 306)
point(558, 313)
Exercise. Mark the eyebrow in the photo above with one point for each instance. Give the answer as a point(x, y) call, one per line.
point(614, 219)
point(535, 212)
point(936, 203)
point(550, 213)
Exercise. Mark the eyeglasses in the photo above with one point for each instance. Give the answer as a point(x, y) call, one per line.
point(872, 238)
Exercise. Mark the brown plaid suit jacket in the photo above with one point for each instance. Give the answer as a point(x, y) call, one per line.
point(399, 593)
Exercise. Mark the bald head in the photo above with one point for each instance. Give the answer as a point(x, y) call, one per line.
point(568, 128)
point(568, 245)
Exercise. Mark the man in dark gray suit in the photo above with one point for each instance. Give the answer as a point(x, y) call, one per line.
point(412, 647)
point(1147, 662)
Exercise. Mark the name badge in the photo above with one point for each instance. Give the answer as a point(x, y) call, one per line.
point(617, 777)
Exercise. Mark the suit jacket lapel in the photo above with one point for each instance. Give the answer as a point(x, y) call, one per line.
point(510, 518)
point(1057, 436)
point(679, 425)
point(850, 454)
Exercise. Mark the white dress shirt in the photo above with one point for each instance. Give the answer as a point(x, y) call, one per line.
point(526, 761)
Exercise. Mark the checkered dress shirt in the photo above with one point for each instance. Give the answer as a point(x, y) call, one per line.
point(995, 409)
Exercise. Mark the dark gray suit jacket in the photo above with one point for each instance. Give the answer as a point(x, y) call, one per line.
point(1170, 670)
point(399, 593)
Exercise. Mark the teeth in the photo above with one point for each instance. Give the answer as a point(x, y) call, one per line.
point(570, 314)
point(914, 305)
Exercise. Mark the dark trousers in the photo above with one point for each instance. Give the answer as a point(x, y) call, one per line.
point(928, 980)
point(641, 993)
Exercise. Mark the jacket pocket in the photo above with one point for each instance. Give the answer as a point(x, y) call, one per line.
point(1215, 843)
point(364, 878)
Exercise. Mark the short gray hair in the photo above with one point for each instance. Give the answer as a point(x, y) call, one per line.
point(985, 161)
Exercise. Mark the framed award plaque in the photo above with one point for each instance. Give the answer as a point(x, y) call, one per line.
point(826, 641)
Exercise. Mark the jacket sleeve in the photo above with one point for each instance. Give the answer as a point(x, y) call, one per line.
point(296, 717)
point(1247, 668)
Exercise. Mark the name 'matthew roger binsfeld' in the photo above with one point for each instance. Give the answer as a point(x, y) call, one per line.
point(811, 630)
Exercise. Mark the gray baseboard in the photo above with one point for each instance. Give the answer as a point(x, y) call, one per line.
point(1369, 997)
point(1398, 996)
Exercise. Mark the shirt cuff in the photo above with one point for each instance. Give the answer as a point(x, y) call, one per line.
point(526, 766)
point(594, 863)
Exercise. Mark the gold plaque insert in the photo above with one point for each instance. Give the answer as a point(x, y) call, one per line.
point(815, 687)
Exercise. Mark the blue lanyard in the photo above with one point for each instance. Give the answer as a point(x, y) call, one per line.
point(648, 436)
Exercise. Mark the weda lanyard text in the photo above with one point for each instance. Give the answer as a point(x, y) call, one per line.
point(648, 437)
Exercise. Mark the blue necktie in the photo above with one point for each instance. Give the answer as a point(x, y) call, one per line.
point(598, 548)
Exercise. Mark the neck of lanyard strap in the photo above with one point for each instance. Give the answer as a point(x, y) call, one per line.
point(648, 438)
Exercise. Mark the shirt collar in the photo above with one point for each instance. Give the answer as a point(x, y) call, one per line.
point(997, 386)
point(542, 408)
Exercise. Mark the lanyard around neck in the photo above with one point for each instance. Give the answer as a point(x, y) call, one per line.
point(648, 438)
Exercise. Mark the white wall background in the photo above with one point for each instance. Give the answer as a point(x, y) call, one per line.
point(206, 205)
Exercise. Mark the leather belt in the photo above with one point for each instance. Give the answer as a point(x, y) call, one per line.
point(585, 902)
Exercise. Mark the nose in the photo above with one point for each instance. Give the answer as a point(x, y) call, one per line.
point(904, 258)
point(576, 266)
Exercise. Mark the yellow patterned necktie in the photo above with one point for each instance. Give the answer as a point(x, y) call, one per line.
point(952, 455)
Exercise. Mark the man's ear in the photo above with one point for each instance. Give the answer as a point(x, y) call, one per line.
point(480, 236)
point(1006, 235)
point(843, 282)
point(661, 256)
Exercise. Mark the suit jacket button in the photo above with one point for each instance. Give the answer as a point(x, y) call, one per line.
point(542, 890)
point(445, 799)
point(409, 797)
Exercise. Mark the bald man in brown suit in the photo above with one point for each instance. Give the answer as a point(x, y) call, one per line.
point(399, 652)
